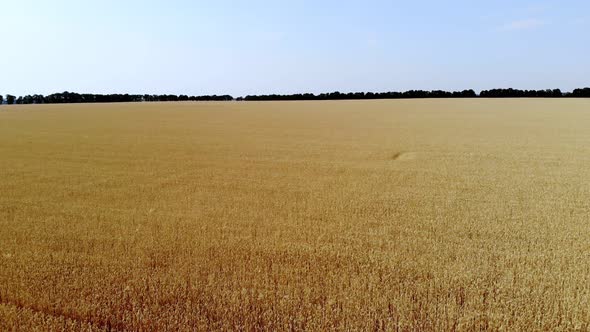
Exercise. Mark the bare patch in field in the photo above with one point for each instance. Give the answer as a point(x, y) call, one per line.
point(404, 156)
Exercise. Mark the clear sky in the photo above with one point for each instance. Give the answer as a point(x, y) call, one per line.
point(258, 47)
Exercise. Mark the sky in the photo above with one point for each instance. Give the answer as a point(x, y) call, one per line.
point(262, 47)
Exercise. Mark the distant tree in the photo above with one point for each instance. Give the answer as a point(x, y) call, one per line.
point(1, 99)
point(10, 99)
point(28, 99)
point(38, 99)
point(468, 94)
point(581, 93)
point(19, 100)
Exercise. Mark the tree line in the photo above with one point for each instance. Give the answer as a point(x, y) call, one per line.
point(366, 95)
point(72, 97)
point(494, 93)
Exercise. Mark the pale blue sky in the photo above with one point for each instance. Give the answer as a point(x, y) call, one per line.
point(259, 47)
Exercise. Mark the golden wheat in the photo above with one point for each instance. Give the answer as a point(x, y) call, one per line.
point(357, 215)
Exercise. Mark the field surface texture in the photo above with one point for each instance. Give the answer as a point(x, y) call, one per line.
point(359, 215)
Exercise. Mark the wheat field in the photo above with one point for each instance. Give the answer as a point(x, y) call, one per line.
point(402, 215)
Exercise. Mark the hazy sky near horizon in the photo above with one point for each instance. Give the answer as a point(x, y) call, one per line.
point(260, 47)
